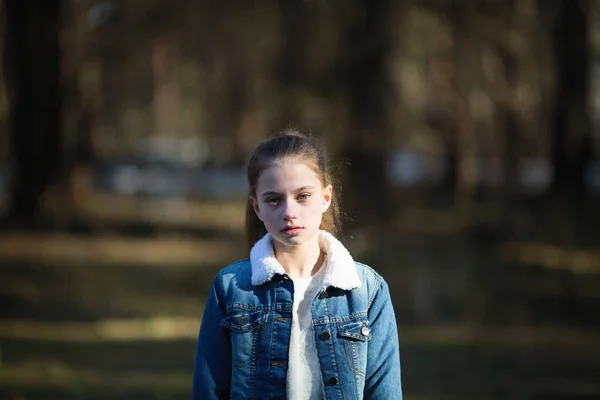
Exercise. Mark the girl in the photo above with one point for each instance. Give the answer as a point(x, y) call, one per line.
point(299, 319)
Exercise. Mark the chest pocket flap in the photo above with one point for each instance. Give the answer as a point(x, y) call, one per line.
point(243, 321)
point(358, 330)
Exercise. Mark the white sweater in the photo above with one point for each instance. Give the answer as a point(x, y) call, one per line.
point(304, 371)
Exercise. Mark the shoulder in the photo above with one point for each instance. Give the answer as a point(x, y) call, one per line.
point(238, 273)
point(367, 274)
point(239, 269)
point(235, 268)
point(372, 281)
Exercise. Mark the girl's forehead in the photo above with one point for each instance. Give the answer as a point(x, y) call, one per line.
point(288, 171)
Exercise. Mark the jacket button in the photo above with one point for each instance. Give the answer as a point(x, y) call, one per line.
point(365, 331)
point(333, 380)
point(324, 336)
point(323, 295)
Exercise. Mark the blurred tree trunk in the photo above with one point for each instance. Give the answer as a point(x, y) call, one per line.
point(571, 147)
point(366, 145)
point(294, 32)
point(572, 132)
point(32, 65)
point(508, 114)
point(462, 149)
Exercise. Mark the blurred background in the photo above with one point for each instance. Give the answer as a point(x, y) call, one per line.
point(465, 134)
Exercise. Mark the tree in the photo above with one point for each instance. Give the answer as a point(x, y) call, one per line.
point(32, 65)
point(571, 136)
point(367, 142)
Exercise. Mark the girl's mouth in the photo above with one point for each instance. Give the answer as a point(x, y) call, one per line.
point(292, 230)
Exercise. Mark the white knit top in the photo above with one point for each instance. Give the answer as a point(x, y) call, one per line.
point(304, 371)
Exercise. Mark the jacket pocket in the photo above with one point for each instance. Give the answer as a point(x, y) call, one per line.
point(355, 335)
point(244, 327)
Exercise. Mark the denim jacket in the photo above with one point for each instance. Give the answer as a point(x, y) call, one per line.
point(242, 350)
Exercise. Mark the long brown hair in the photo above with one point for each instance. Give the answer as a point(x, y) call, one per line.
point(290, 143)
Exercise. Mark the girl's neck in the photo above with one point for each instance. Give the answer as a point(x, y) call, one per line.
point(300, 261)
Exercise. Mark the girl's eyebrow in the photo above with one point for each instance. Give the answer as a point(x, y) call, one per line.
point(303, 188)
point(265, 194)
point(300, 189)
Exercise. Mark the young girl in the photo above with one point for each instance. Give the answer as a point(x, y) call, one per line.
point(299, 319)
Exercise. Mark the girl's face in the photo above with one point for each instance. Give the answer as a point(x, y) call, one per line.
point(290, 200)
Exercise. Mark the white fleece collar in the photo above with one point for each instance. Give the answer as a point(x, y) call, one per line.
point(340, 270)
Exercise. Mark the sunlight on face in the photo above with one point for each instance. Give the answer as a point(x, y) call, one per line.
point(290, 200)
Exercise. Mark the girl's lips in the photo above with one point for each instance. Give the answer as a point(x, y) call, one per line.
point(292, 231)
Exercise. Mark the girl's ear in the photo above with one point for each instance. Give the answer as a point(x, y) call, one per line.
point(254, 203)
point(327, 196)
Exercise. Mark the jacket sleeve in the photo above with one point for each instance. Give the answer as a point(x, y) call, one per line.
point(212, 370)
point(382, 379)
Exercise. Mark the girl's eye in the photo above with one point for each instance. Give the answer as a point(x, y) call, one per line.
point(272, 200)
point(303, 196)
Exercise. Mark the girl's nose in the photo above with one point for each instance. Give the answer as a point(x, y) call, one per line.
point(290, 211)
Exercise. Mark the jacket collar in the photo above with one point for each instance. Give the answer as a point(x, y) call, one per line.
point(340, 269)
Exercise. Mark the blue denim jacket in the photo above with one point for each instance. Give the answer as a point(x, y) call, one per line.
point(243, 344)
